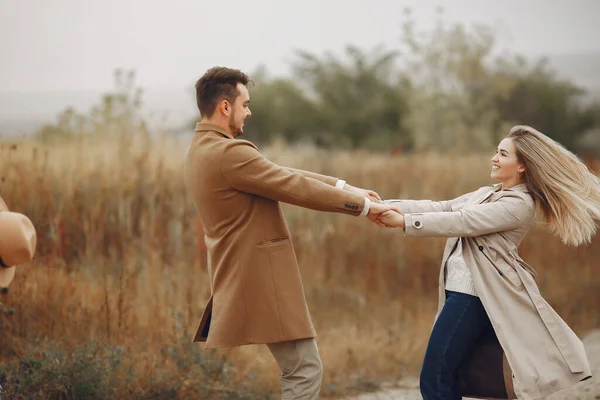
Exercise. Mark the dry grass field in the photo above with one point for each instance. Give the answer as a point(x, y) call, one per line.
point(109, 305)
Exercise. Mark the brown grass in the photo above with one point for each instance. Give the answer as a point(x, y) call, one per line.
point(120, 261)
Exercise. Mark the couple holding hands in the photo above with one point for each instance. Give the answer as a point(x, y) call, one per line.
point(494, 336)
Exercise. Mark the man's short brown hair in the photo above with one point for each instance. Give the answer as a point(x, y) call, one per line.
point(216, 84)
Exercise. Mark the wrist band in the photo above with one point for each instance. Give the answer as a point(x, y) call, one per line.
point(366, 208)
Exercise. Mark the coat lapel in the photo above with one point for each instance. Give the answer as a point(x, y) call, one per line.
point(451, 243)
point(485, 195)
point(475, 199)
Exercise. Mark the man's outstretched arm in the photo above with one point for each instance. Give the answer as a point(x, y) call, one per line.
point(338, 183)
point(247, 170)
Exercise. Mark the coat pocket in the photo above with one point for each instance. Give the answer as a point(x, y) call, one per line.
point(287, 303)
point(503, 268)
point(519, 261)
point(272, 242)
point(508, 272)
point(284, 270)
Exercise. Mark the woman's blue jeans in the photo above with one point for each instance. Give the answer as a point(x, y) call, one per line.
point(462, 321)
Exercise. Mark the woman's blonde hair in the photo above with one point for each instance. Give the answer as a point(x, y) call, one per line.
point(561, 185)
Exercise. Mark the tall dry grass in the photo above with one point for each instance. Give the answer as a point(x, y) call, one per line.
point(119, 280)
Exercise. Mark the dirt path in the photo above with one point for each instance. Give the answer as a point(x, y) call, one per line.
point(408, 389)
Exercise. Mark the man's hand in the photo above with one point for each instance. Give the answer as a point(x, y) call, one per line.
point(392, 218)
point(372, 195)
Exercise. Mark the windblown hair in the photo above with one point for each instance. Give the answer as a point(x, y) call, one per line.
point(562, 186)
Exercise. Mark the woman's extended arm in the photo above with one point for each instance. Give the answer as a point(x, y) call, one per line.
point(509, 212)
point(423, 206)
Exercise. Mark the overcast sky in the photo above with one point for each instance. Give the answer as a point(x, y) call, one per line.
point(76, 44)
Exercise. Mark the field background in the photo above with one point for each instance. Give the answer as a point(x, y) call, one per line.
point(110, 304)
point(411, 107)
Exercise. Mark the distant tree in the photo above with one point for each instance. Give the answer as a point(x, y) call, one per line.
point(454, 84)
point(68, 124)
point(360, 102)
point(551, 105)
point(118, 113)
point(444, 88)
point(466, 95)
point(119, 110)
point(280, 109)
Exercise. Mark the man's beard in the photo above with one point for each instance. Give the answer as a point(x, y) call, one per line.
point(233, 128)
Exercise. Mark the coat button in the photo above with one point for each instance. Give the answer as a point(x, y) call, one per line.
point(417, 223)
point(480, 248)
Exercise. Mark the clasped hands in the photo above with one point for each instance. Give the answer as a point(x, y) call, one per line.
point(383, 215)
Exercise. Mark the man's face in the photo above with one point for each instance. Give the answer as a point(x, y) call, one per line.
point(240, 111)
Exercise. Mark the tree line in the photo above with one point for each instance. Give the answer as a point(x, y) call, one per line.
point(445, 88)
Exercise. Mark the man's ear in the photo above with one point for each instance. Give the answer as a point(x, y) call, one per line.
point(225, 107)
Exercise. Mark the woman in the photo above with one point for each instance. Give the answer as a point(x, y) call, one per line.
point(493, 329)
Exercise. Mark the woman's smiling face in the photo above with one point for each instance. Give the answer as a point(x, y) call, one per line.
point(506, 167)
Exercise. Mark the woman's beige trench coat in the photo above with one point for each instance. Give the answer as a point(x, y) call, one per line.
point(532, 344)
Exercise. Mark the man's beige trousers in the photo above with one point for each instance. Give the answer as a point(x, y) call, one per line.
point(301, 368)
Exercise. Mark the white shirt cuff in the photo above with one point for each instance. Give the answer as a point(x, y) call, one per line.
point(340, 184)
point(366, 208)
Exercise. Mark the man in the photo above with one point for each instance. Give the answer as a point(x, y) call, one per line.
point(257, 293)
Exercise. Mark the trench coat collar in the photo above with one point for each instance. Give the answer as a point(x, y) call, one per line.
point(203, 127)
point(521, 187)
point(498, 188)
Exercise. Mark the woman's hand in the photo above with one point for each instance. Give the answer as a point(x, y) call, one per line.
point(392, 218)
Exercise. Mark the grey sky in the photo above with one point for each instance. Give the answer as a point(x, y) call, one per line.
point(76, 44)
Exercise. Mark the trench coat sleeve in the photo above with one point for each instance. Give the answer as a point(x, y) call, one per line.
point(247, 170)
point(322, 178)
point(510, 211)
point(425, 206)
